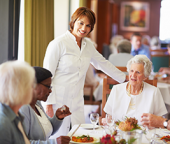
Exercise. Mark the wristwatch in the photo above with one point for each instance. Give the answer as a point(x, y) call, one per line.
point(165, 123)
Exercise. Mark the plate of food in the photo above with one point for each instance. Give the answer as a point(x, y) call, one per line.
point(129, 124)
point(84, 139)
point(166, 139)
point(88, 126)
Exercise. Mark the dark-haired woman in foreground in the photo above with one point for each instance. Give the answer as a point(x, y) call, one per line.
point(38, 126)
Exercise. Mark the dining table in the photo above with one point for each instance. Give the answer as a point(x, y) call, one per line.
point(164, 86)
point(87, 129)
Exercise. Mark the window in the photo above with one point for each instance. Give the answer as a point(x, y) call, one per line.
point(164, 31)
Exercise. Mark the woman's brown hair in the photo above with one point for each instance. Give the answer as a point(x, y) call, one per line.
point(83, 11)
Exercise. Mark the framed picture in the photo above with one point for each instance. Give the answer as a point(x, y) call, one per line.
point(134, 16)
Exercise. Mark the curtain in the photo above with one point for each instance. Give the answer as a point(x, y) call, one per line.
point(39, 29)
point(82, 3)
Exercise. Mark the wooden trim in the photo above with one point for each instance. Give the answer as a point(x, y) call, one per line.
point(159, 50)
point(152, 82)
point(105, 87)
point(123, 69)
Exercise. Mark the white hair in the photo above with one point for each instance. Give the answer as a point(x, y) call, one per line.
point(155, 42)
point(141, 59)
point(124, 46)
point(115, 39)
point(146, 39)
point(16, 82)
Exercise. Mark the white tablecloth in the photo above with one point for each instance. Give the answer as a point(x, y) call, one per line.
point(165, 91)
point(99, 133)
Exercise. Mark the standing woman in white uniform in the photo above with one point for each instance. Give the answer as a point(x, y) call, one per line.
point(68, 58)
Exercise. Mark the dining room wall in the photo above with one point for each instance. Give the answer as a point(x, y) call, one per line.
point(154, 18)
point(109, 20)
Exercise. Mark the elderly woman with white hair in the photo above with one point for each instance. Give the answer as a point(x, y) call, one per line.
point(17, 80)
point(135, 97)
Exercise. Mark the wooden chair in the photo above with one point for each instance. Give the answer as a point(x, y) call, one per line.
point(160, 58)
point(89, 100)
point(107, 89)
point(123, 69)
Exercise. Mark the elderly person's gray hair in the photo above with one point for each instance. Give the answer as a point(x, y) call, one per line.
point(16, 83)
point(141, 59)
point(155, 42)
point(124, 46)
point(115, 39)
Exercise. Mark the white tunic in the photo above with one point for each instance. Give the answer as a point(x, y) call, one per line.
point(69, 65)
point(148, 101)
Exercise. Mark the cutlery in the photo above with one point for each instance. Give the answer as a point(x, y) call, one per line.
point(157, 135)
point(75, 130)
point(164, 141)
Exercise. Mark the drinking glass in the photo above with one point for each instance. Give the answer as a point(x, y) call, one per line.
point(109, 120)
point(150, 134)
point(94, 118)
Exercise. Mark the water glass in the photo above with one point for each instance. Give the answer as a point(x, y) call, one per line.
point(109, 120)
point(150, 134)
point(94, 118)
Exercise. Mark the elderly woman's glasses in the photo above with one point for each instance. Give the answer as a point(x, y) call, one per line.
point(49, 87)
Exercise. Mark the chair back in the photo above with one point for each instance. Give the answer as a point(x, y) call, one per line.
point(107, 86)
point(106, 51)
point(89, 99)
point(123, 69)
point(160, 58)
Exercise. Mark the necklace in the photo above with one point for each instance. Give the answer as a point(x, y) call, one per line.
point(132, 102)
point(129, 89)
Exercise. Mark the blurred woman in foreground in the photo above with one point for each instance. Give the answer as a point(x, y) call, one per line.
point(135, 97)
point(16, 87)
point(38, 126)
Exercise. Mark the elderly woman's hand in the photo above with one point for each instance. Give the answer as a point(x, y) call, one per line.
point(63, 140)
point(62, 112)
point(151, 120)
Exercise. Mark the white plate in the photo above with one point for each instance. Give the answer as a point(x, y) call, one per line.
point(88, 126)
point(95, 141)
point(158, 140)
point(166, 131)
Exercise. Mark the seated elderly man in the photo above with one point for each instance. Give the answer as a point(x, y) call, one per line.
point(138, 47)
point(38, 126)
point(123, 55)
point(135, 97)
